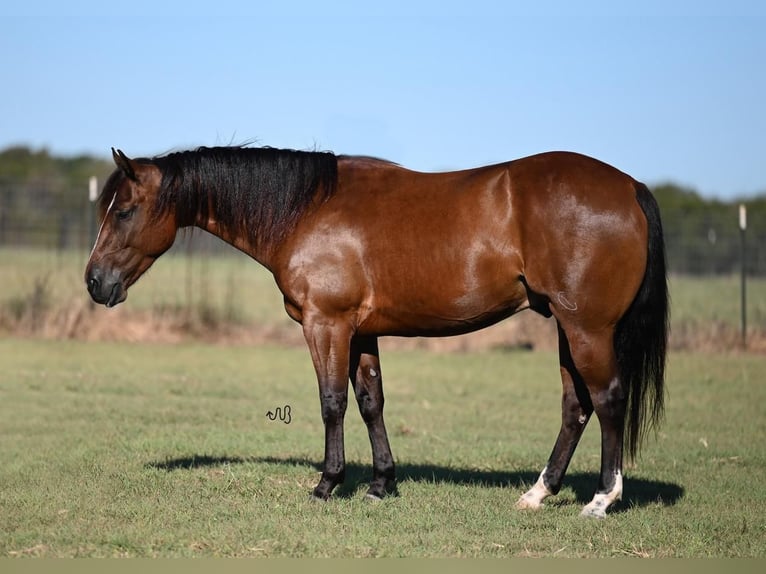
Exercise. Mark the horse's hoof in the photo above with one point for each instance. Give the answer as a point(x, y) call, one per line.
point(522, 504)
point(593, 512)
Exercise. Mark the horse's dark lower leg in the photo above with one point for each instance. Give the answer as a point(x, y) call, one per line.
point(334, 471)
point(329, 348)
point(366, 378)
point(609, 405)
point(595, 359)
point(576, 409)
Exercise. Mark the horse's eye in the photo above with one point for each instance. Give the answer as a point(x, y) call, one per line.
point(124, 214)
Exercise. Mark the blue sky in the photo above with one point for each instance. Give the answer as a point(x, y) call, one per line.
point(662, 90)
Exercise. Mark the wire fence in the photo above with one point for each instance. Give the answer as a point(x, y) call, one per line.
point(705, 254)
point(716, 246)
point(714, 243)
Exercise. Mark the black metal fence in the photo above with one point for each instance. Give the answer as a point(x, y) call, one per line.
point(714, 244)
point(708, 245)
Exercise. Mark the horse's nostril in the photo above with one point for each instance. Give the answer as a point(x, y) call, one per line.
point(93, 284)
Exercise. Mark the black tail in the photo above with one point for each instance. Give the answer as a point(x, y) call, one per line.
point(642, 334)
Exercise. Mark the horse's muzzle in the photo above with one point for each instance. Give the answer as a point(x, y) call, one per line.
point(105, 290)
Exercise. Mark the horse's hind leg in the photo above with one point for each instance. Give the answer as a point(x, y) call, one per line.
point(366, 378)
point(576, 409)
point(595, 362)
point(610, 403)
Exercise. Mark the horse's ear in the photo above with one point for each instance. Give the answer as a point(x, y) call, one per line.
point(124, 163)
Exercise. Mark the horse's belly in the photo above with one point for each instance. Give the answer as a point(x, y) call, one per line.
point(439, 316)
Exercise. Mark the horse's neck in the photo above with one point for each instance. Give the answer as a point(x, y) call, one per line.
point(260, 253)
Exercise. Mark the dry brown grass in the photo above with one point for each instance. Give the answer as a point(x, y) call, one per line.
point(83, 320)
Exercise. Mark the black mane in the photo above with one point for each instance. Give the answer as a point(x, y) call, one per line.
point(259, 192)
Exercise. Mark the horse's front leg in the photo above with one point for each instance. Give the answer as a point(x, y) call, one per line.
point(367, 380)
point(329, 344)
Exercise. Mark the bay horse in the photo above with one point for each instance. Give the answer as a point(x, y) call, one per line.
point(363, 248)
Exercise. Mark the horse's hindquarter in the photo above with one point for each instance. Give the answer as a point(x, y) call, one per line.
point(583, 235)
point(398, 252)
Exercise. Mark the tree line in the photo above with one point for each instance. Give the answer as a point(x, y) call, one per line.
point(44, 202)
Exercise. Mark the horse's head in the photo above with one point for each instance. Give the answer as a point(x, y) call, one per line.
point(135, 230)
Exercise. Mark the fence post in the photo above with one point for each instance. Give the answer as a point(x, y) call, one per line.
point(743, 277)
point(91, 215)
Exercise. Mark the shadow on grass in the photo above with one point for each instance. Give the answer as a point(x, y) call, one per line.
point(638, 492)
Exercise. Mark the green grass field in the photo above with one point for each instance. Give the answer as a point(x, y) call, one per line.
point(119, 449)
